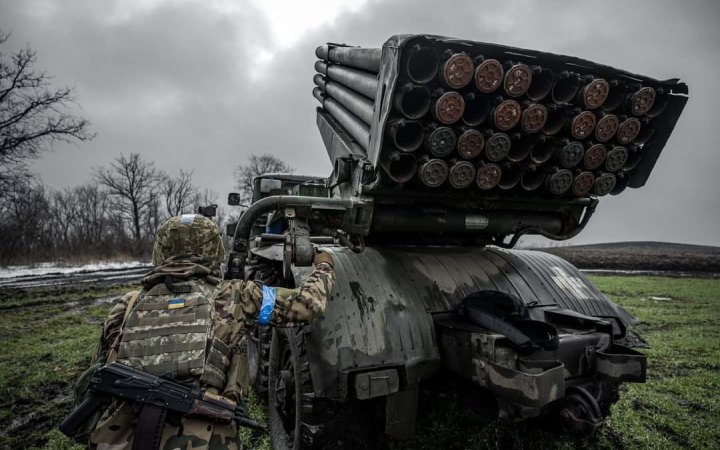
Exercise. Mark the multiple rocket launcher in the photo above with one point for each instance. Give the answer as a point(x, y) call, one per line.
point(463, 119)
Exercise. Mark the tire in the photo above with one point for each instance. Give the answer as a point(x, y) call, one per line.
point(259, 359)
point(293, 426)
point(258, 342)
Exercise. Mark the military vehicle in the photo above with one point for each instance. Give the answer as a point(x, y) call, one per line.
point(445, 152)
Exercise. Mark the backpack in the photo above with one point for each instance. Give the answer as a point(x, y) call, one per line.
point(82, 385)
point(169, 331)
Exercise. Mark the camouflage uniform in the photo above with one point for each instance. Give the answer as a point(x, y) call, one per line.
point(191, 253)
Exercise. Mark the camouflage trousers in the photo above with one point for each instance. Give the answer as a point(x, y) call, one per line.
point(115, 432)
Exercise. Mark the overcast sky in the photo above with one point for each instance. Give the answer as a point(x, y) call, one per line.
point(202, 84)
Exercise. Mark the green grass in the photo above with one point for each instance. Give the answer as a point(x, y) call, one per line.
point(678, 407)
point(46, 345)
point(48, 336)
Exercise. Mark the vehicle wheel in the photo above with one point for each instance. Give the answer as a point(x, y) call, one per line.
point(259, 359)
point(290, 394)
point(580, 414)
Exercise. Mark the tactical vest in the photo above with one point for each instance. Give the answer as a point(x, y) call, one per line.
point(173, 332)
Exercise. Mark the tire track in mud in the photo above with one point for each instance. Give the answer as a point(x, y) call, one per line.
point(32, 417)
point(99, 277)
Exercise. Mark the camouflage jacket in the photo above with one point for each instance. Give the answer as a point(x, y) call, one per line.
point(237, 305)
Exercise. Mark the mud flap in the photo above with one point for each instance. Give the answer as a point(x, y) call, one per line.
point(534, 384)
point(619, 363)
point(401, 412)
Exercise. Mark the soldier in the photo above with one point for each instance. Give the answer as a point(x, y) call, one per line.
point(188, 322)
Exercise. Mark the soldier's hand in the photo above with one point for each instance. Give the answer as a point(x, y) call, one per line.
point(323, 257)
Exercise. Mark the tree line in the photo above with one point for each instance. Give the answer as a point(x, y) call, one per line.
point(117, 213)
point(114, 215)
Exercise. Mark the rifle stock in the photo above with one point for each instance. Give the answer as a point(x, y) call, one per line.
point(133, 385)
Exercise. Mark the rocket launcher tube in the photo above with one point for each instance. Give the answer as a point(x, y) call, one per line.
point(615, 97)
point(363, 82)
point(542, 83)
point(477, 109)
point(400, 167)
point(354, 126)
point(583, 183)
point(642, 101)
point(518, 78)
point(566, 87)
point(412, 100)
point(593, 93)
point(570, 154)
point(532, 178)
point(355, 103)
point(421, 64)
point(659, 104)
point(407, 135)
point(497, 145)
point(488, 175)
point(542, 152)
point(646, 131)
point(522, 146)
point(604, 184)
point(616, 159)
point(489, 75)
point(510, 177)
point(433, 172)
point(440, 141)
point(457, 71)
point(606, 127)
point(628, 130)
point(470, 143)
point(557, 117)
point(449, 106)
point(358, 57)
point(594, 156)
point(462, 174)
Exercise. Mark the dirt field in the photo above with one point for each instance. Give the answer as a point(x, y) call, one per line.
point(654, 256)
point(48, 335)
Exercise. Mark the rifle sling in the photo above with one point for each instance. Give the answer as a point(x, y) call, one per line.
point(112, 352)
point(149, 428)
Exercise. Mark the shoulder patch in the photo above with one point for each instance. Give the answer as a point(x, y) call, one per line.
point(175, 303)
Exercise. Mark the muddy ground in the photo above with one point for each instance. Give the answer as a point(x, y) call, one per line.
point(48, 334)
point(672, 259)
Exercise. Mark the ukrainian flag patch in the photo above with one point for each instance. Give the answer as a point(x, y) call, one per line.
point(176, 303)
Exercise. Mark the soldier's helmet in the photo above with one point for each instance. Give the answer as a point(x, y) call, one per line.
point(189, 234)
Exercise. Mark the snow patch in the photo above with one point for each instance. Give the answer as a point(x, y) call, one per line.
point(55, 268)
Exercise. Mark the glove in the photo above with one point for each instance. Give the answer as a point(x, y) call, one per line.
point(323, 257)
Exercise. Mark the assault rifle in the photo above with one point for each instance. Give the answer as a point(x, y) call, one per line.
point(151, 392)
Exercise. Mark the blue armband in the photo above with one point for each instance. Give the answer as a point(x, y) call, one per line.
point(268, 304)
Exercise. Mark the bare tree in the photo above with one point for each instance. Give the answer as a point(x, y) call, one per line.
point(64, 210)
point(92, 216)
point(257, 165)
point(153, 217)
point(134, 184)
point(33, 115)
point(24, 227)
point(179, 193)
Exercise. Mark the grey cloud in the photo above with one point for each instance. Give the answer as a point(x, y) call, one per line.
point(662, 39)
point(168, 83)
point(175, 82)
